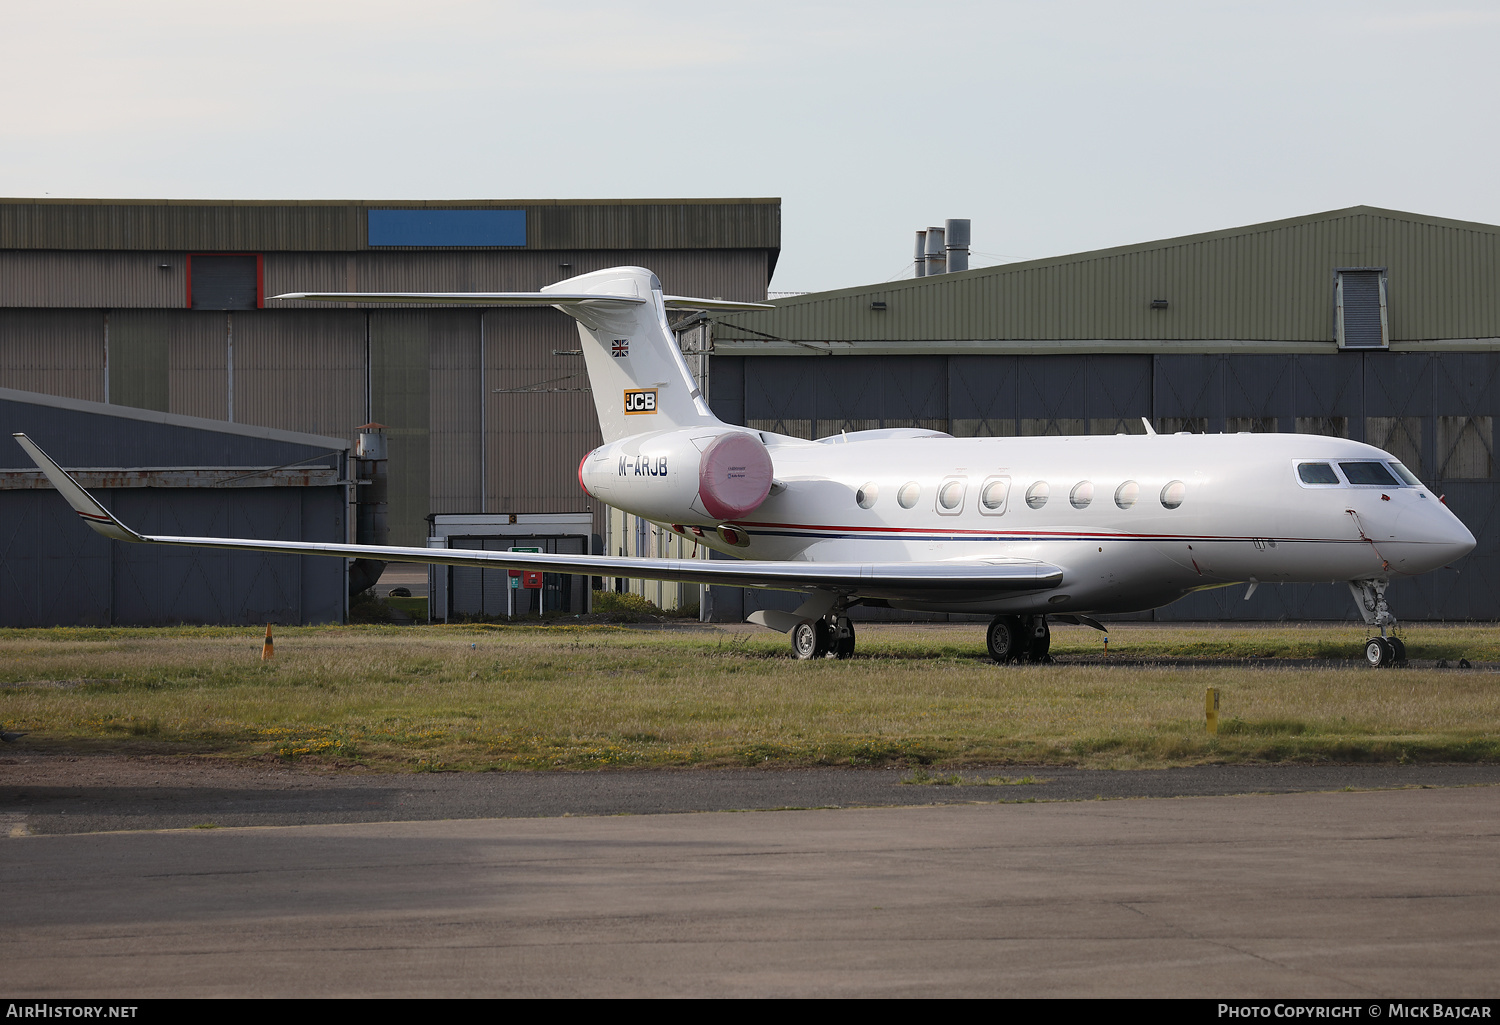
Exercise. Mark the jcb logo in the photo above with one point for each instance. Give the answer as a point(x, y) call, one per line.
point(640, 400)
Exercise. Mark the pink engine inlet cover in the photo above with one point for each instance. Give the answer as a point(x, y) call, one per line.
point(734, 476)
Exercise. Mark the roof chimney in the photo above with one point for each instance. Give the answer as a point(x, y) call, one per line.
point(937, 256)
point(956, 235)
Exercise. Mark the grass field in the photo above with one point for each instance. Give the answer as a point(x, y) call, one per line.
point(581, 697)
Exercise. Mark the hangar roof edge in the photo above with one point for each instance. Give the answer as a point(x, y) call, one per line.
point(173, 419)
point(1129, 248)
point(310, 225)
point(1269, 281)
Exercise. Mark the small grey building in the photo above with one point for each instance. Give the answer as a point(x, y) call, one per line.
point(165, 473)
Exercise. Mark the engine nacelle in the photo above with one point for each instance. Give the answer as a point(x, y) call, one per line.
point(706, 474)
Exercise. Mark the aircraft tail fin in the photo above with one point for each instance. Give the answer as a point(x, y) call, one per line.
point(638, 377)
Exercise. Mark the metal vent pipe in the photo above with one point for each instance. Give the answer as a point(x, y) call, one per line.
point(937, 256)
point(921, 255)
point(956, 235)
point(371, 520)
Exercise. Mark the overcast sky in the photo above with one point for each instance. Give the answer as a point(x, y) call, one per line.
point(1055, 127)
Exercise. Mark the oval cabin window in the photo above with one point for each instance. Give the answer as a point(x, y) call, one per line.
point(1127, 494)
point(951, 495)
point(866, 496)
point(1082, 494)
point(908, 495)
point(1172, 494)
point(1036, 495)
point(993, 495)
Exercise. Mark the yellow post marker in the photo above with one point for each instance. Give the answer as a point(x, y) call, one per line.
point(270, 648)
point(1211, 709)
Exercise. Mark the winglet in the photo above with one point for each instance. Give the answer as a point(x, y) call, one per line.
point(83, 503)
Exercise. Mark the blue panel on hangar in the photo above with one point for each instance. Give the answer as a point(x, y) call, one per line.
point(447, 227)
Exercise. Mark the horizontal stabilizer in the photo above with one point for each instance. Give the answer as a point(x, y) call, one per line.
point(464, 298)
point(682, 302)
point(671, 302)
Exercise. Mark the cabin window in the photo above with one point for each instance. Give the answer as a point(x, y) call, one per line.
point(1316, 473)
point(993, 495)
point(1127, 494)
point(951, 495)
point(1406, 475)
point(1036, 495)
point(1369, 473)
point(908, 495)
point(1172, 494)
point(867, 495)
point(1082, 494)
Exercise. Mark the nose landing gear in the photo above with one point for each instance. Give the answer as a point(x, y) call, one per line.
point(1019, 639)
point(1369, 596)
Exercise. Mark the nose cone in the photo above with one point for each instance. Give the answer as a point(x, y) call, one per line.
point(1431, 536)
point(1457, 541)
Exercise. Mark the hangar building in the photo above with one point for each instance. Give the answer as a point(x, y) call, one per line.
point(1361, 323)
point(162, 305)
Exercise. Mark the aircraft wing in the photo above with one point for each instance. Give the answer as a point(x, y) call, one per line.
point(950, 581)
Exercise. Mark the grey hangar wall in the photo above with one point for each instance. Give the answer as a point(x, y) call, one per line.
point(1432, 410)
point(165, 473)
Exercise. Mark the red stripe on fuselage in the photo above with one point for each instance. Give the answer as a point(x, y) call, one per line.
point(1000, 534)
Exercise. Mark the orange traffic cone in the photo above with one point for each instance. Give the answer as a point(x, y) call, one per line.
point(270, 648)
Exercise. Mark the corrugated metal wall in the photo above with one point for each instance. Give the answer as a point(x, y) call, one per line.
point(56, 352)
point(299, 370)
point(1434, 410)
point(540, 415)
point(98, 279)
point(55, 570)
point(239, 226)
point(1271, 282)
point(456, 399)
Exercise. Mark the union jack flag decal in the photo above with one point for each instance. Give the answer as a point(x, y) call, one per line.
point(621, 347)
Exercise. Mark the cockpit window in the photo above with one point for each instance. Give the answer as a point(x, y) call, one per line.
point(1317, 473)
point(1406, 475)
point(1369, 473)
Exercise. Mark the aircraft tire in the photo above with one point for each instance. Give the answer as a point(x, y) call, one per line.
point(1039, 646)
point(805, 641)
point(843, 633)
point(1398, 647)
point(1005, 639)
point(1378, 652)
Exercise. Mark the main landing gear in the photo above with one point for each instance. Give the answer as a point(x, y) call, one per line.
point(1384, 650)
point(1019, 639)
point(830, 635)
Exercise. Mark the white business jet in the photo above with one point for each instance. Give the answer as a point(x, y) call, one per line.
point(1021, 529)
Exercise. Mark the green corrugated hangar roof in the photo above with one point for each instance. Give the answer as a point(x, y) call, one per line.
point(1264, 287)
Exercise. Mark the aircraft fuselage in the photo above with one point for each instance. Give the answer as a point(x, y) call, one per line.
point(1135, 521)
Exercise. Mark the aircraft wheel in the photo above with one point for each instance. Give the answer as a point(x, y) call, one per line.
point(843, 633)
point(1005, 639)
point(1039, 645)
point(1378, 652)
point(805, 640)
point(1398, 647)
